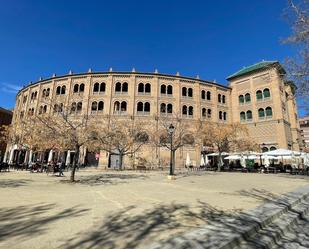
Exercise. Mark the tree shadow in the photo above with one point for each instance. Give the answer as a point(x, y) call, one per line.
point(126, 230)
point(184, 226)
point(107, 179)
point(23, 222)
point(8, 183)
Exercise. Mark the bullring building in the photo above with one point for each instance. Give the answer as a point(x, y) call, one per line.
point(257, 96)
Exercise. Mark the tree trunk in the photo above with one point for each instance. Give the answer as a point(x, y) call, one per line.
point(120, 160)
point(220, 160)
point(76, 157)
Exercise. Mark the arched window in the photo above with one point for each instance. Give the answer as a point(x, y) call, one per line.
point(96, 87)
point(118, 87)
point(147, 107)
point(140, 106)
point(75, 89)
point(169, 89)
point(184, 91)
point(184, 110)
point(56, 107)
point(45, 109)
point(82, 87)
point(264, 149)
point(73, 107)
point(242, 116)
point(101, 106)
point(169, 108)
point(209, 113)
point(220, 115)
point(208, 95)
point(140, 87)
point(163, 89)
point(79, 106)
point(47, 92)
point(94, 106)
point(272, 148)
point(102, 87)
point(190, 111)
point(61, 107)
point(147, 88)
point(63, 89)
point(224, 116)
point(125, 87)
point(123, 106)
point(204, 112)
point(269, 112)
point(116, 106)
point(219, 98)
point(249, 115)
point(190, 92)
point(241, 99)
point(259, 95)
point(266, 93)
point(223, 99)
point(247, 98)
point(58, 90)
point(203, 94)
point(44, 92)
point(261, 113)
point(35, 94)
point(163, 108)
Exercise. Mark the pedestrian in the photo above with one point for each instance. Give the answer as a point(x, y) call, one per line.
point(61, 167)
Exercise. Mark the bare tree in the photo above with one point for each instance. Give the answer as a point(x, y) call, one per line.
point(181, 136)
point(224, 137)
point(120, 137)
point(66, 129)
point(298, 67)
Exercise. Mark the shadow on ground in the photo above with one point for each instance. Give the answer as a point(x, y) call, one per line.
point(7, 183)
point(125, 230)
point(107, 179)
point(128, 229)
point(24, 222)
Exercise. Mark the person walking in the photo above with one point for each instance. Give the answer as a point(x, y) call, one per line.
point(61, 167)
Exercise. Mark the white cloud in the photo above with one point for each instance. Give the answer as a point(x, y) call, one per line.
point(9, 88)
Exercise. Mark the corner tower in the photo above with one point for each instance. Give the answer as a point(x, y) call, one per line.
point(265, 102)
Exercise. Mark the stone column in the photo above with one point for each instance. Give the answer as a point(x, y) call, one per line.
point(6, 154)
point(30, 156)
point(11, 155)
point(26, 157)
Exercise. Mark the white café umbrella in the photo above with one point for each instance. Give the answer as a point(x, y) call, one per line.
point(206, 160)
point(68, 159)
point(243, 161)
point(281, 152)
point(233, 157)
point(188, 160)
point(306, 160)
point(50, 156)
point(202, 161)
point(266, 161)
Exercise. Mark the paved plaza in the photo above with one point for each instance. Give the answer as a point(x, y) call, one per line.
point(124, 209)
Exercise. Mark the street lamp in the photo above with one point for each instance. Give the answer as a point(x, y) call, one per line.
point(171, 130)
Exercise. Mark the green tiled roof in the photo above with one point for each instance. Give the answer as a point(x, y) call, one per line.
point(254, 67)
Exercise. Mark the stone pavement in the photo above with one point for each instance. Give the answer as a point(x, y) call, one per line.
point(279, 223)
point(125, 209)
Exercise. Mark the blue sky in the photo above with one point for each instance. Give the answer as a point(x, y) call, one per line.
point(210, 38)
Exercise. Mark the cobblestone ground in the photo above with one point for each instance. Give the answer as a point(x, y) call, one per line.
point(123, 209)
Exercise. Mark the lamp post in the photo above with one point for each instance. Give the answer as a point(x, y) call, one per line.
point(171, 130)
